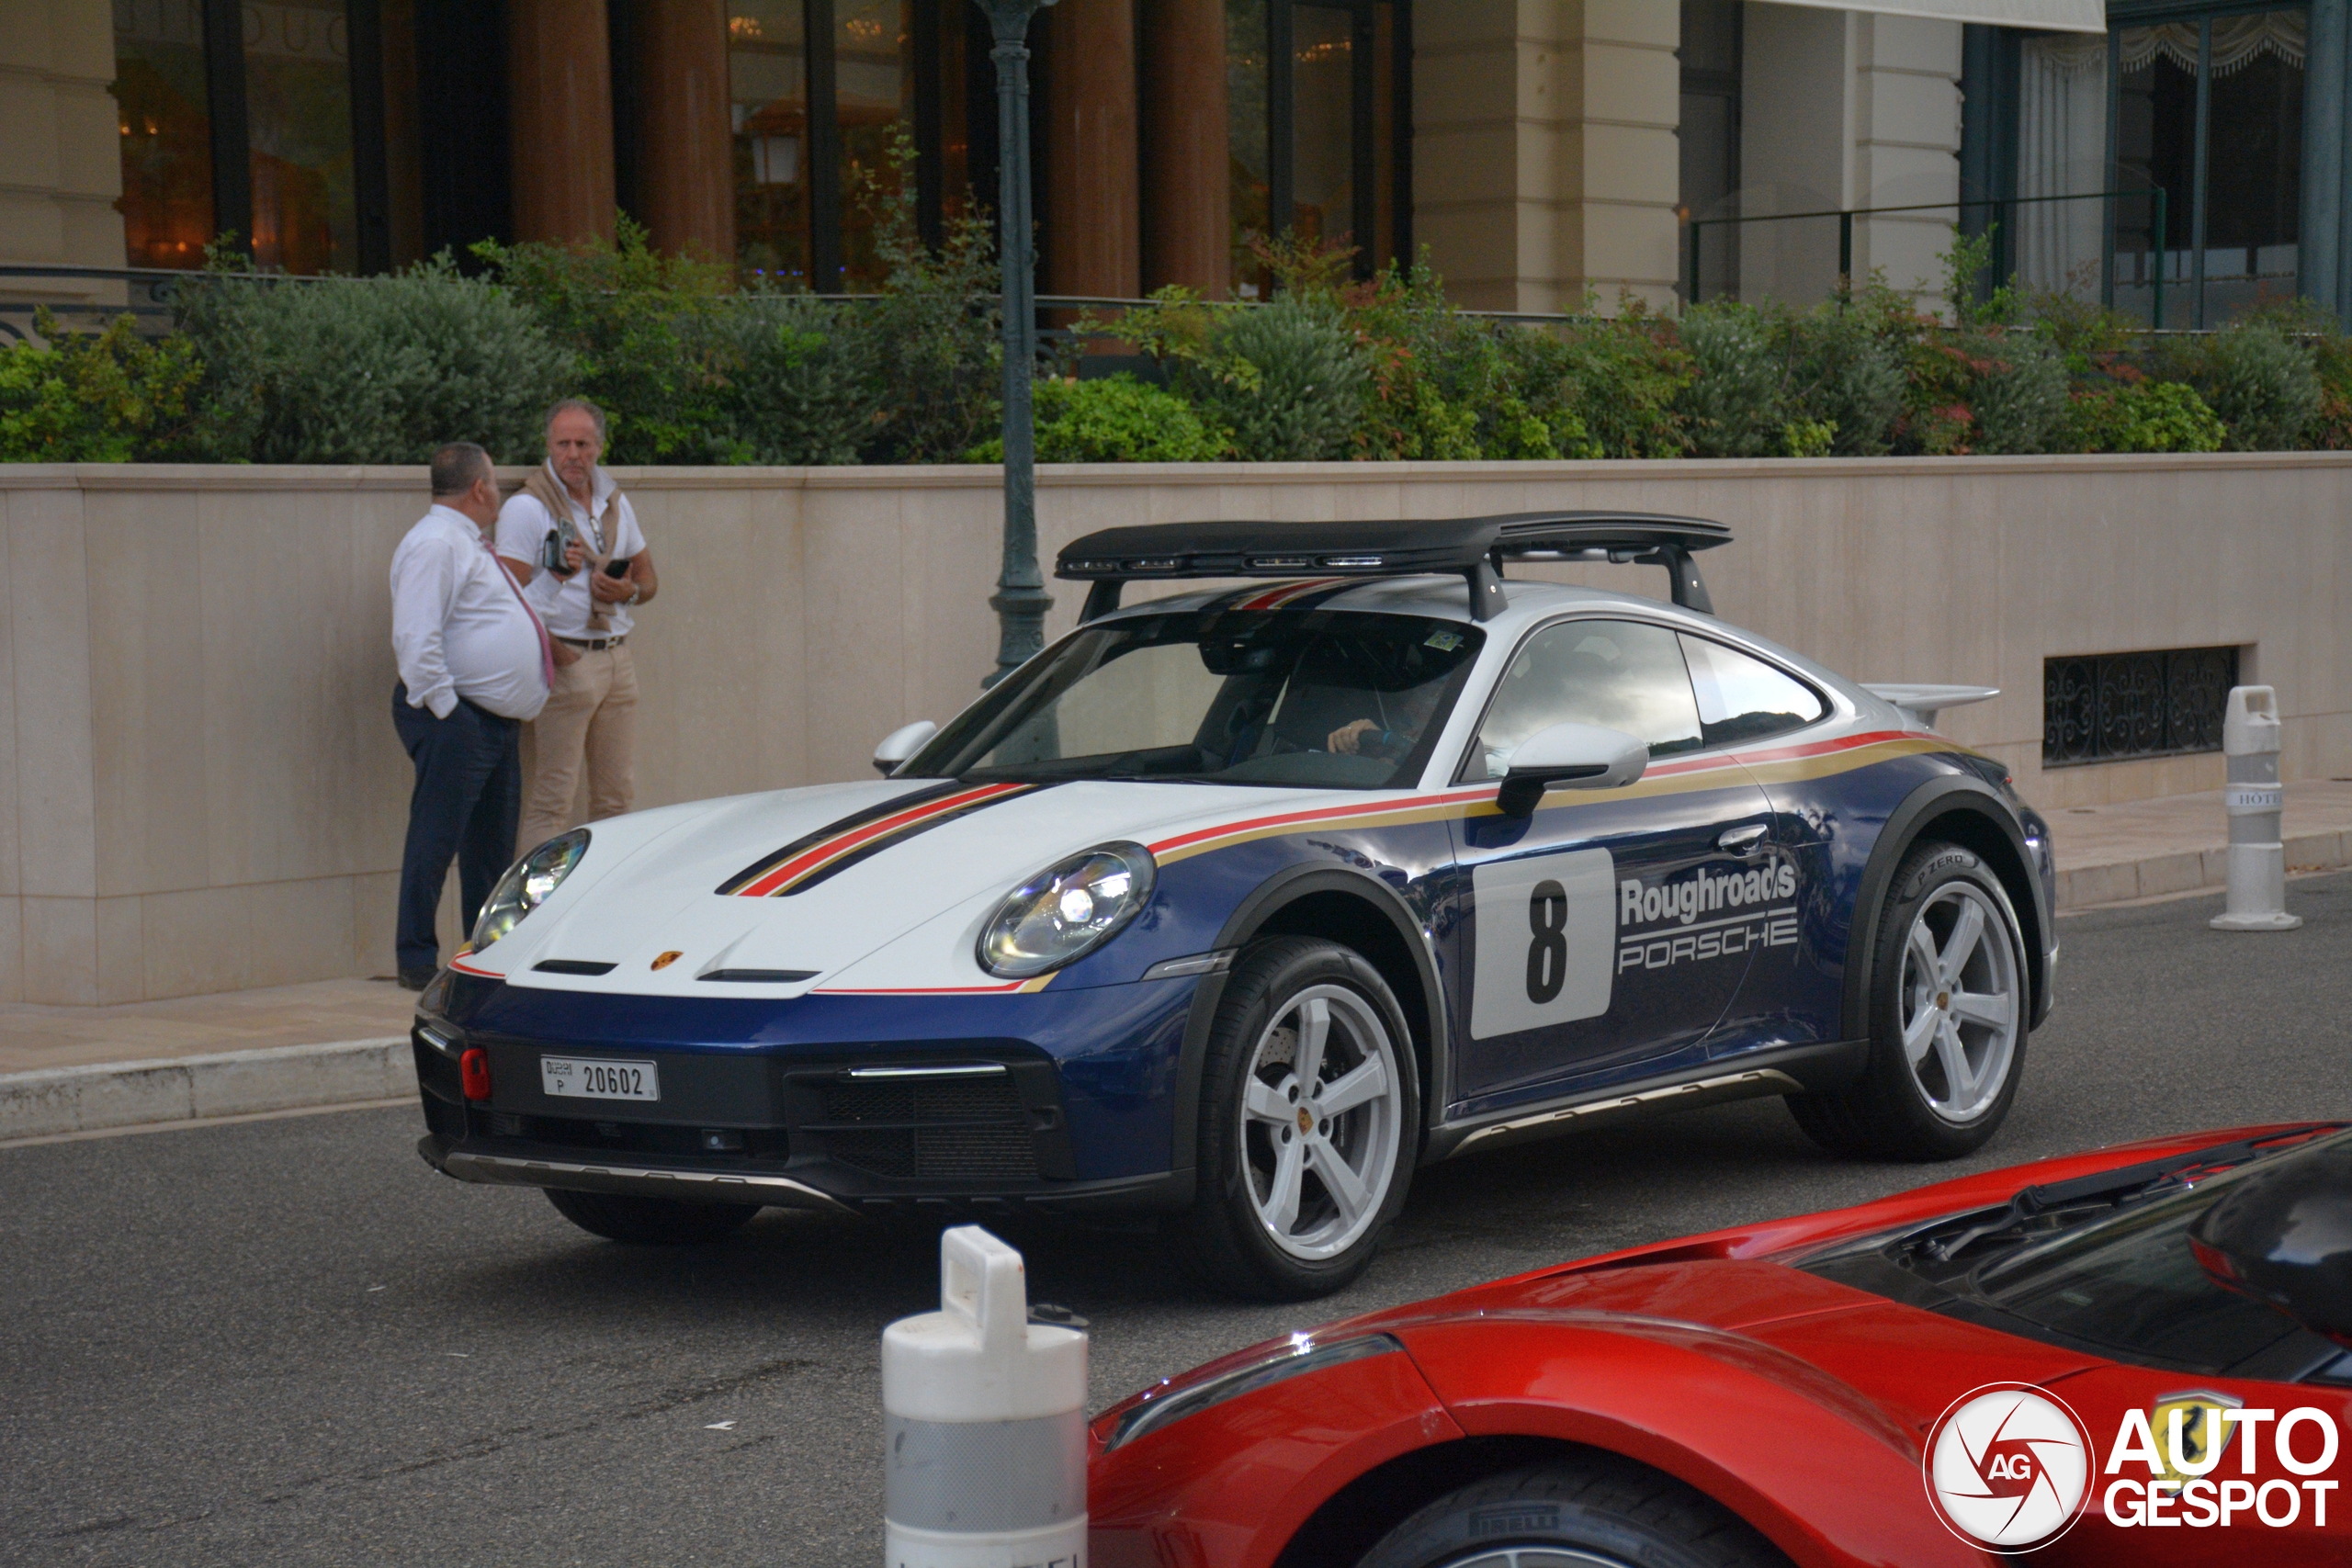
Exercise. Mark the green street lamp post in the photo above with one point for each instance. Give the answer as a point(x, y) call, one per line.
point(1021, 600)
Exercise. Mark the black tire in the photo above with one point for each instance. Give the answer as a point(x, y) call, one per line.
point(1241, 1160)
point(650, 1222)
point(1589, 1511)
point(1892, 1110)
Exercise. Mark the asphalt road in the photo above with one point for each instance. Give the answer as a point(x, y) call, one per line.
point(288, 1341)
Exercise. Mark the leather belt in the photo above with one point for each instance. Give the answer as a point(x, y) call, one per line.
point(594, 644)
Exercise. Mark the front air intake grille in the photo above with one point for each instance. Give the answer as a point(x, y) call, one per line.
point(915, 1129)
point(923, 1099)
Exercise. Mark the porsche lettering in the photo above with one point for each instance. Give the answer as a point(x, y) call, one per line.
point(1718, 939)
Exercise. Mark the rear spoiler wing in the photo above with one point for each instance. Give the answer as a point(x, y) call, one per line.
point(1923, 702)
point(1475, 547)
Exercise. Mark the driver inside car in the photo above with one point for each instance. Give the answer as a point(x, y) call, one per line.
point(1394, 730)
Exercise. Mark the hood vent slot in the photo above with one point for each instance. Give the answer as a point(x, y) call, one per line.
point(572, 967)
point(762, 976)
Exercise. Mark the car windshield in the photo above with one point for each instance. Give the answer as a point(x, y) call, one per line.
point(2112, 1272)
point(1328, 699)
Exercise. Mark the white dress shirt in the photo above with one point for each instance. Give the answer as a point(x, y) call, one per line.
point(562, 603)
point(460, 626)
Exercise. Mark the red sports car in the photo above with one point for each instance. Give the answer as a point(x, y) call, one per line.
point(2138, 1355)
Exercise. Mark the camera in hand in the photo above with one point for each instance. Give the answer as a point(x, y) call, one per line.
point(554, 550)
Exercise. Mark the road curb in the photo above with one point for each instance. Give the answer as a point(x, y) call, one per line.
point(2121, 882)
point(229, 1083)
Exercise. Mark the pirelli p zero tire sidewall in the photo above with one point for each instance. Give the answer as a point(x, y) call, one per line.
point(1888, 1113)
point(650, 1222)
point(1225, 1235)
point(1597, 1508)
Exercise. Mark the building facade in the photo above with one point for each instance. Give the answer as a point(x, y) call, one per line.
point(2182, 161)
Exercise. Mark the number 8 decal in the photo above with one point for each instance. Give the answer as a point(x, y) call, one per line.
point(1547, 955)
point(1544, 931)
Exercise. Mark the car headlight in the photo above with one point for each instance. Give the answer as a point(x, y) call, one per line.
point(1066, 910)
point(526, 884)
point(1286, 1359)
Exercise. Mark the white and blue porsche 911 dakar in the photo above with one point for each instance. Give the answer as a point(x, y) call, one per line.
point(1240, 906)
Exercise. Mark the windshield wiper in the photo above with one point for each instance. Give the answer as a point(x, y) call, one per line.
point(2108, 1190)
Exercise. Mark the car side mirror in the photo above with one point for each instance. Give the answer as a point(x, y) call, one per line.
point(1574, 756)
point(900, 744)
point(2283, 1235)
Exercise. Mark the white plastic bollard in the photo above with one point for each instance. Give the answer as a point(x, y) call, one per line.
point(986, 1417)
point(2255, 801)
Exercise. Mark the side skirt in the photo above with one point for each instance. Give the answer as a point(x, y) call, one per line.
point(1787, 1069)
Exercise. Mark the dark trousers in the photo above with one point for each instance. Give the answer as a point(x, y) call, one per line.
point(468, 796)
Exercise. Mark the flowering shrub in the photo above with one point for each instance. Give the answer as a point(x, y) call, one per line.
point(104, 397)
point(694, 370)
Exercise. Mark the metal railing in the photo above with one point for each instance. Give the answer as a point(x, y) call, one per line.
point(1695, 278)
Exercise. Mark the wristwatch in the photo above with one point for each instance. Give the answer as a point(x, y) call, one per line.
point(636, 591)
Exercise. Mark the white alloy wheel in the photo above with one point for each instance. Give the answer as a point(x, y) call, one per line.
point(1321, 1115)
point(1962, 1006)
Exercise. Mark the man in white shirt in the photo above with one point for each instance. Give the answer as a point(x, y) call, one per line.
point(475, 664)
point(591, 716)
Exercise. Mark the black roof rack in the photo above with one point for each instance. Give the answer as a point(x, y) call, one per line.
point(1473, 547)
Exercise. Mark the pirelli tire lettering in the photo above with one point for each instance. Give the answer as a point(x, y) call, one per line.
point(1688, 921)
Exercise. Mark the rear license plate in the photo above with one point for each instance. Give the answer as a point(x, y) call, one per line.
point(572, 1077)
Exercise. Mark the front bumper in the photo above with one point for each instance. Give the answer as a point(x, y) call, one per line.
point(948, 1128)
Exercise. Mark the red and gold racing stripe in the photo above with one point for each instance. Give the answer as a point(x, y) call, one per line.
point(809, 861)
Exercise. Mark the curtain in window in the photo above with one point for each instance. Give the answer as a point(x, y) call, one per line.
point(2238, 41)
point(2062, 151)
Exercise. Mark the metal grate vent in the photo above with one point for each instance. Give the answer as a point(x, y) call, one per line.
point(949, 1130)
point(2109, 707)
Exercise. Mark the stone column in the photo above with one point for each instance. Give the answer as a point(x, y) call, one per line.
point(686, 164)
point(1093, 223)
point(560, 114)
point(1544, 159)
point(1187, 206)
point(63, 152)
point(1846, 109)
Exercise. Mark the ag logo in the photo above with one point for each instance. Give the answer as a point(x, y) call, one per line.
point(2007, 1466)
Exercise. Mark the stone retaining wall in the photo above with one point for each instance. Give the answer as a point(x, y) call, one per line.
point(201, 791)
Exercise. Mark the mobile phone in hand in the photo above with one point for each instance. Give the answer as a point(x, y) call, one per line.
point(618, 565)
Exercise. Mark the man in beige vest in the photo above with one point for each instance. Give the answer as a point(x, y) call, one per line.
point(591, 716)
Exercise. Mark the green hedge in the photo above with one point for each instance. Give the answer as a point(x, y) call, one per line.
point(694, 370)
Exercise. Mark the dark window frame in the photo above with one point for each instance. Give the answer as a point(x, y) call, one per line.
point(1281, 130)
point(1990, 92)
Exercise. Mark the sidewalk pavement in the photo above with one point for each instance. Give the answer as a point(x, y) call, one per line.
point(2147, 849)
point(67, 1070)
point(74, 1069)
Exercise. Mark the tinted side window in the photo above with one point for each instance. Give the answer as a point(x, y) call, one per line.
point(1746, 699)
point(1618, 675)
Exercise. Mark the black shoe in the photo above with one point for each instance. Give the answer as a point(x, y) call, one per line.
point(416, 979)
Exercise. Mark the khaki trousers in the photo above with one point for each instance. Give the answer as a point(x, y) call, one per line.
point(591, 718)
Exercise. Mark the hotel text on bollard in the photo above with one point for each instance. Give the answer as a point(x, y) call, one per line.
point(986, 1423)
point(2255, 801)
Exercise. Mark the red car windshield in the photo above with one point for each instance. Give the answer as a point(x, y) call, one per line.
point(2113, 1273)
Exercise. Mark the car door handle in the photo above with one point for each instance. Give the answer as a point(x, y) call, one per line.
point(1743, 840)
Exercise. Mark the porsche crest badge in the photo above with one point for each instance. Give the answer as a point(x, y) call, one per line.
point(667, 959)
